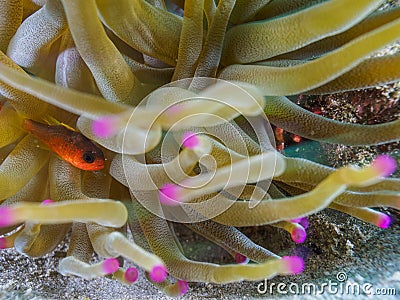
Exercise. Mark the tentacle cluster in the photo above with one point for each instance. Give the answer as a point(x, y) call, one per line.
point(197, 151)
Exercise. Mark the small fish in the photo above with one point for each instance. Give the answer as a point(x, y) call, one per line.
point(69, 144)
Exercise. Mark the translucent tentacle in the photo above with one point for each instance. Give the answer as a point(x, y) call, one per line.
point(256, 168)
point(191, 40)
point(20, 166)
point(280, 7)
point(80, 246)
point(31, 45)
point(83, 210)
point(209, 10)
point(26, 237)
point(8, 241)
point(10, 20)
point(370, 73)
point(172, 290)
point(42, 240)
point(31, 6)
point(149, 74)
point(125, 137)
point(258, 41)
point(303, 77)
point(162, 243)
point(138, 176)
point(109, 243)
point(371, 199)
point(231, 238)
point(245, 10)
point(121, 246)
point(155, 33)
point(65, 181)
point(271, 211)
point(274, 192)
point(303, 171)
point(68, 99)
point(368, 215)
point(113, 76)
point(287, 115)
point(297, 232)
point(327, 44)
point(74, 266)
point(134, 226)
point(211, 53)
point(11, 126)
point(388, 184)
point(383, 193)
point(177, 289)
point(128, 276)
point(24, 103)
point(71, 70)
point(35, 186)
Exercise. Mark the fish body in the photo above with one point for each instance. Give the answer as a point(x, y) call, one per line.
point(69, 144)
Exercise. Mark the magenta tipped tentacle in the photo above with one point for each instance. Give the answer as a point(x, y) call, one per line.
point(169, 194)
point(383, 221)
point(3, 243)
point(110, 265)
point(299, 234)
point(190, 140)
point(6, 216)
point(385, 165)
point(131, 275)
point(183, 287)
point(105, 127)
point(294, 264)
point(241, 259)
point(47, 201)
point(304, 222)
point(297, 220)
point(158, 273)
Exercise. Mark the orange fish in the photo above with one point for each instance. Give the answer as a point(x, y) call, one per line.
point(69, 144)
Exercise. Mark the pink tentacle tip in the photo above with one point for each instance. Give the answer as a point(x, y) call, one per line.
point(304, 222)
point(385, 165)
point(169, 194)
point(110, 265)
point(6, 216)
point(297, 220)
point(104, 127)
point(241, 259)
point(174, 109)
point(158, 273)
point(3, 243)
point(47, 201)
point(131, 275)
point(383, 221)
point(294, 264)
point(190, 140)
point(299, 235)
point(183, 287)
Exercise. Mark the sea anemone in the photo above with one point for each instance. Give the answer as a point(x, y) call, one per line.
point(179, 95)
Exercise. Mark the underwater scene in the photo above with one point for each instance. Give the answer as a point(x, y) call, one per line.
point(199, 149)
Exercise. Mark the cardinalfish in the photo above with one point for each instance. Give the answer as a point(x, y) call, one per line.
point(70, 145)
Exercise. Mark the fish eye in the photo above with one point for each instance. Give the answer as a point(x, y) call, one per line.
point(88, 157)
